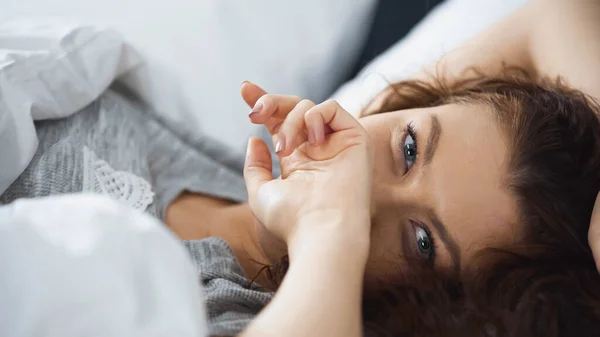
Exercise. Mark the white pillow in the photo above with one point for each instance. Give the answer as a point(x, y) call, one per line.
point(50, 69)
point(444, 29)
point(199, 51)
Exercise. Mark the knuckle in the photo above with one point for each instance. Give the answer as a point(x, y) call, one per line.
point(276, 127)
point(331, 103)
point(306, 102)
point(265, 97)
point(311, 112)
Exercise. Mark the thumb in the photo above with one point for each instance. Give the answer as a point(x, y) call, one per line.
point(258, 166)
point(594, 232)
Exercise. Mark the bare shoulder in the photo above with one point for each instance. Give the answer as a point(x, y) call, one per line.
point(565, 42)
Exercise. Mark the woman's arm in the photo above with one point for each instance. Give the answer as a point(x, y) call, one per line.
point(545, 37)
point(322, 291)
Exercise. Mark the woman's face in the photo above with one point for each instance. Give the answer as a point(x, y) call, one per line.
point(438, 189)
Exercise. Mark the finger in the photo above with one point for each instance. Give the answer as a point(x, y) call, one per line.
point(293, 130)
point(263, 109)
point(265, 105)
point(258, 166)
point(333, 130)
point(272, 110)
point(594, 232)
point(251, 93)
point(333, 118)
point(315, 127)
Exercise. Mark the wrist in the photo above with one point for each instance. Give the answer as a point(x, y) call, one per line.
point(334, 234)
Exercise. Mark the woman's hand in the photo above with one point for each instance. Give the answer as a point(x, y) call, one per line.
point(326, 170)
point(271, 111)
point(320, 207)
point(594, 232)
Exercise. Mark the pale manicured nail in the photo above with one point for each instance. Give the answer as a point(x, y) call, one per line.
point(256, 109)
point(319, 133)
point(280, 145)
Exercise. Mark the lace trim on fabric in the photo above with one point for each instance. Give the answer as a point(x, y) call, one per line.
point(125, 187)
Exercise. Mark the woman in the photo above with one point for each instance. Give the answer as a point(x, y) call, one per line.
point(464, 201)
point(518, 196)
point(504, 174)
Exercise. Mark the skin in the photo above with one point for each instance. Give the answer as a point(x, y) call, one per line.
point(594, 233)
point(407, 203)
point(437, 190)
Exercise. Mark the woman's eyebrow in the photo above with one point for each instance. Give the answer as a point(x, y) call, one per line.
point(448, 240)
point(434, 137)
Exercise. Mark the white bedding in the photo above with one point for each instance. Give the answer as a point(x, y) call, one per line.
point(42, 251)
point(103, 270)
point(50, 69)
point(198, 52)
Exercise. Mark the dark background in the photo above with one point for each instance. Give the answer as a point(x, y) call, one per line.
point(393, 20)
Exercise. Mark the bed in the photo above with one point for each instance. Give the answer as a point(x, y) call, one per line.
point(51, 68)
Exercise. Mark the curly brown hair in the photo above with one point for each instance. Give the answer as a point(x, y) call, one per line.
point(546, 284)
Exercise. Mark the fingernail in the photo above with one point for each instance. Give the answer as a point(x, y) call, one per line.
point(319, 131)
point(256, 110)
point(311, 137)
point(244, 83)
point(280, 145)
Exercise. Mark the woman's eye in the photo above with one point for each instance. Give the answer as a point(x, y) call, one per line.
point(424, 243)
point(409, 148)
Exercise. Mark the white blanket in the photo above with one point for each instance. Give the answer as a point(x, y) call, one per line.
point(50, 69)
point(83, 265)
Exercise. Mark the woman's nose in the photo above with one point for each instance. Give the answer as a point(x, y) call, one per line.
point(390, 196)
point(382, 196)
